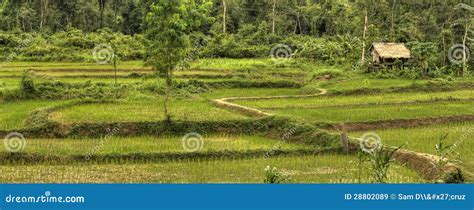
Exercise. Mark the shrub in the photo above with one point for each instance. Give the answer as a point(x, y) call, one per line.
point(381, 160)
point(274, 176)
point(27, 85)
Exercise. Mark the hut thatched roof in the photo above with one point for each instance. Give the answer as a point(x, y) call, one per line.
point(391, 50)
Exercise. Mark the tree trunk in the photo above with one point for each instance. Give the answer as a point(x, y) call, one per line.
point(273, 16)
point(115, 68)
point(392, 24)
point(366, 22)
point(297, 20)
point(224, 21)
point(101, 9)
point(444, 49)
point(464, 51)
point(169, 87)
point(116, 8)
point(41, 13)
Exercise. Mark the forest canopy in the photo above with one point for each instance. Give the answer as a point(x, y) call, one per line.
point(322, 30)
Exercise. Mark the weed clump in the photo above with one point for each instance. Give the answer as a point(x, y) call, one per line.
point(274, 176)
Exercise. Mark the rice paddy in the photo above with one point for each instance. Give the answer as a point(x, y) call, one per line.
point(305, 169)
point(221, 157)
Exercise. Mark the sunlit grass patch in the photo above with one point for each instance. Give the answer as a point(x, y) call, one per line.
point(249, 92)
point(139, 111)
point(376, 113)
point(12, 114)
point(321, 101)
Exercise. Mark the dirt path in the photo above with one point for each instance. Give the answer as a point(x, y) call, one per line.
point(424, 164)
point(227, 104)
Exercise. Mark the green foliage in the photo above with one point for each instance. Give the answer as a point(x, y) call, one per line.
point(274, 176)
point(425, 55)
point(444, 151)
point(186, 88)
point(27, 85)
point(70, 45)
point(381, 160)
point(334, 50)
point(169, 25)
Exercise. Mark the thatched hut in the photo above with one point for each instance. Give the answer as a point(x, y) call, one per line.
point(387, 53)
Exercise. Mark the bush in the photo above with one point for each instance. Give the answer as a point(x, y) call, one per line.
point(274, 176)
point(187, 88)
point(27, 85)
point(70, 45)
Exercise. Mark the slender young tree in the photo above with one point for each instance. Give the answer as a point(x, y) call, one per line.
point(224, 5)
point(169, 24)
point(101, 10)
point(364, 35)
point(273, 16)
point(43, 12)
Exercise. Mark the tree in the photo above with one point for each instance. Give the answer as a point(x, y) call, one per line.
point(224, 16)
point(169, 24)
point(101, 10)
point(273, 16)
point(366, 23)
point(43, 12)
point(132, 17)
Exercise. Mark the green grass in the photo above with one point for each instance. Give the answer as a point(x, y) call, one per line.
point(424, 139)
point(20, 66)
point(321, 101)
point(375, 113)
point(231, 64)
point(305, 169)
point(12, 114)
point(249, 92)
point(138, 111)
point(106, 72)
point(358, 82)
point(150, 145)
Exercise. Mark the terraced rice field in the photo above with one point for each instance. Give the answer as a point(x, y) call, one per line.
point(424, 139)
point(305, 169)
point(223, 154)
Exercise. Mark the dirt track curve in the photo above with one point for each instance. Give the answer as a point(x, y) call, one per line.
point(227, 104)
point(424, 164)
